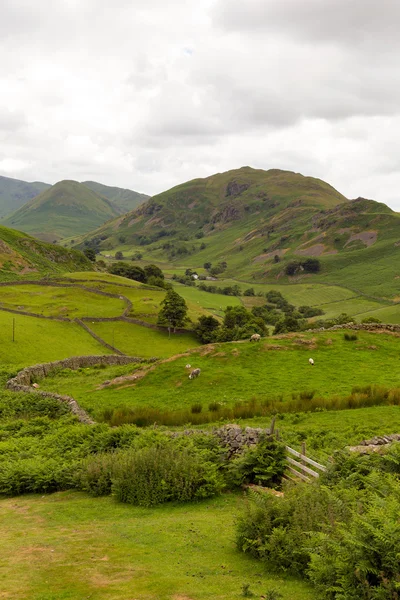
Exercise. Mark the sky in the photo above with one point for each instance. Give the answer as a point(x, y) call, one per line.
point(147, 94)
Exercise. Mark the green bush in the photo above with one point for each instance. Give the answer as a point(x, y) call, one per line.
point(350, 337)
point(95, 475)
point(263, 465)
point(156, 475)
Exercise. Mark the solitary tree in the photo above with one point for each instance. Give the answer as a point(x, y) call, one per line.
point(173, 311)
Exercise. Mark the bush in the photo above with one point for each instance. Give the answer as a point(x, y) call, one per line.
point(263, 465)
point(350, 337)
point(156, 475)
point(196, 408)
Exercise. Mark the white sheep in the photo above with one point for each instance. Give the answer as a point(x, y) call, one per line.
point(256, 337)
point(195, 373)
point(311, 361)
point(188, 367)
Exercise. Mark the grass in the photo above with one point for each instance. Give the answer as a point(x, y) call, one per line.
point(40, 340)
point(60, 302)
point(141, 341)
point(67, 546)
point(327, 431)
point(238, 372)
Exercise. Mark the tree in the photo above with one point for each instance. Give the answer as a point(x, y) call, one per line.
point(207, 266)
point(205, 329)
point(153, 271)
point(173, 311)
point(119, 255)
point(130, 271)
point(90, 254)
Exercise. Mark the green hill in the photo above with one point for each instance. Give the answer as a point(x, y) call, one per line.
point(15, 193)
point(124, 200)
point(234, 201)
point(258, 222)
point(23, 255)
point(66, 209)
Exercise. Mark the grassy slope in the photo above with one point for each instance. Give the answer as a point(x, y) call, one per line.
point(75, 547)
point(59, 302)
point(236, 372)
point(281, 213)
point(21, 254)
point(238, 200)
point(123, 199)
point(14, 193)
point(67, 208)
point(40, 340)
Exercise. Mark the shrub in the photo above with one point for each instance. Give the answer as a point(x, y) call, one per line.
point(156, 475)
point(263, 465)
point(214, 406)
point(95, 475)
point(196, 408)
point(350, 337)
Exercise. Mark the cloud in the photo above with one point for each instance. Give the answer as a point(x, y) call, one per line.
point(148, 94)
point(365, 22)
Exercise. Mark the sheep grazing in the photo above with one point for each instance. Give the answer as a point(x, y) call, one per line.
point(311, 361)
point(256, 337)
point(188, 367)
point(195, 373)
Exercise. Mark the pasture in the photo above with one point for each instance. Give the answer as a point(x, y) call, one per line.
point(275, 368)
point(52, 301)
point(41, 340)
point(136, 340)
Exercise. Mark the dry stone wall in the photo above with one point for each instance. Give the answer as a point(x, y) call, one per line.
point(23, 381)
point(232, 436)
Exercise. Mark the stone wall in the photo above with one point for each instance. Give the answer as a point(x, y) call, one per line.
point(98, 338)
point(232, 436)
point(360, 327)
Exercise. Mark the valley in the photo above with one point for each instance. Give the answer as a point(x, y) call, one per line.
point(132, 503)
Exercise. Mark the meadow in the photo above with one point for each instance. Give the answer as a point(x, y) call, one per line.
point(52, 301)
point(273, 369)
point(41, 340)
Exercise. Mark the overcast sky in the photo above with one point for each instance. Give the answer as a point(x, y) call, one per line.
point(147, 94)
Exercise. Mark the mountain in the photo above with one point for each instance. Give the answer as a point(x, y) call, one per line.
point(236, 202)
point(66, 209)
point(21, 254)
point(15, 193)
point(123, 199)
point(258, 222)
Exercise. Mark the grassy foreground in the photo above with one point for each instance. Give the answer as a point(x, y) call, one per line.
point(67, 546)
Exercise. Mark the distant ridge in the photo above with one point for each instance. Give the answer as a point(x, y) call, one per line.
point(14, 193)
point(65, 209)
point(124, 200)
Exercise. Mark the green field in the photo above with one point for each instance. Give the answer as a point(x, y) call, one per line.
point(51, 301)
point(239, 371)
point(136, 340)
point(68, 546)
point(42, 340)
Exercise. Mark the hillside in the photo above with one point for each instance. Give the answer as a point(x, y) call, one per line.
point(123, 200)
point(21, 254)
point(66, 209)
point(14, 193)
point(258, 222)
